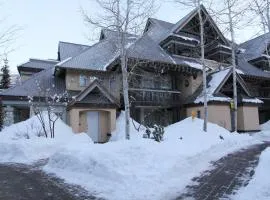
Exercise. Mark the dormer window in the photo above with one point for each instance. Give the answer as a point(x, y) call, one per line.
point(83, 80)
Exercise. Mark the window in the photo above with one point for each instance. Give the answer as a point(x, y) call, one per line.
point(186, 83)
point(198, 114)
point(112, 83)
point(83, 80)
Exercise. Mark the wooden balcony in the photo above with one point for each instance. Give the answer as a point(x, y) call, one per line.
point(154, 97)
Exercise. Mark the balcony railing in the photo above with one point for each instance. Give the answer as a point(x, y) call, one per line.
point(154, 97)
point(215, 46)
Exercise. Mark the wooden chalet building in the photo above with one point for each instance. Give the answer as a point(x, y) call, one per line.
point(165, 79)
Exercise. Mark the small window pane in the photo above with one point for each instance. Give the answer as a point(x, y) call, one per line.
point(83, 80)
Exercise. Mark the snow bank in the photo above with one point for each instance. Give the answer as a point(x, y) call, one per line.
point(265, 126)
point(259, 185)
point(142, 168)
point(25, 142)
point(136, 130)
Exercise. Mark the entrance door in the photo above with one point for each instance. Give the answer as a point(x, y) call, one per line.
point(93, 125)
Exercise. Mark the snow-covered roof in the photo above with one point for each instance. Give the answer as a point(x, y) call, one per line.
point(254, 48)
point(38, 64)
point(249, 69)
point(250, 50)
point(95, 57)
point(36, 84)
point(214, 82)
point(67, 49)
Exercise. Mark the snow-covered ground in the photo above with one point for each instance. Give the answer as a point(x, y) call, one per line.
point(135, 169)
point(259, 187)
point(24, 142)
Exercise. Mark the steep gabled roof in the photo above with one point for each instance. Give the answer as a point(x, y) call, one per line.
point(92, 86)
point(215, 82)
point(185, 20)
point(145, 47)
point(254, 48)
point(67, 49)
point(94, 58)
point(251, 50)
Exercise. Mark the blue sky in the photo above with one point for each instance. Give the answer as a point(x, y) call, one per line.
point(46, 22)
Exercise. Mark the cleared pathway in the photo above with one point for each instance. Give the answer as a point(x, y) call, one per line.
point(22, 182)
point(228, 174)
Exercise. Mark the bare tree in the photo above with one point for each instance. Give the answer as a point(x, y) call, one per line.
point(122, 16)
point(45, 105)
point(230, 4)
point(261, 8)
point(233, 10)
point(197, 4)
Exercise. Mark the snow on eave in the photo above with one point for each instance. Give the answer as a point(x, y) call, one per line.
point(266, 56)
point(212, 98)
point(62, 62)
point(186, 38)
point(224, 46)
point(239, 71)
point(241, 50)
point(194, 65)
point(254, 100)
point(111, 61)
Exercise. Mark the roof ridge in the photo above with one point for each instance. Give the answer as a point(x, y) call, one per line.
point(43, 60)
point(75, 43)
point(152, 18)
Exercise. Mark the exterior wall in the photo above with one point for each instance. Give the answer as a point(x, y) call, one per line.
point(25, 75)
point(193, 84)
point(73, 81)
point(107, 121)
point(248, 118)
point(218, 114)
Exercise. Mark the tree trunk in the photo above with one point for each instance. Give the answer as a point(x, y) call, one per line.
point(204, 70)
point(234, 67)
point(125, 94)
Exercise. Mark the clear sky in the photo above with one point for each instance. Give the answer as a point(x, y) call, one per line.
point(46, 22)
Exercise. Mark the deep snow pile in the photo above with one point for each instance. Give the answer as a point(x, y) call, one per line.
point(264, 135)
point(259, 185)
point(136, 129)
point(142, 168)
point(24, 142)
point(266, 126)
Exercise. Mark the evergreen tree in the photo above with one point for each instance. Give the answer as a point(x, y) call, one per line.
point(5, 81)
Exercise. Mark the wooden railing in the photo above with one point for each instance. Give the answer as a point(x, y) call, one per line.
point(154, 97)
